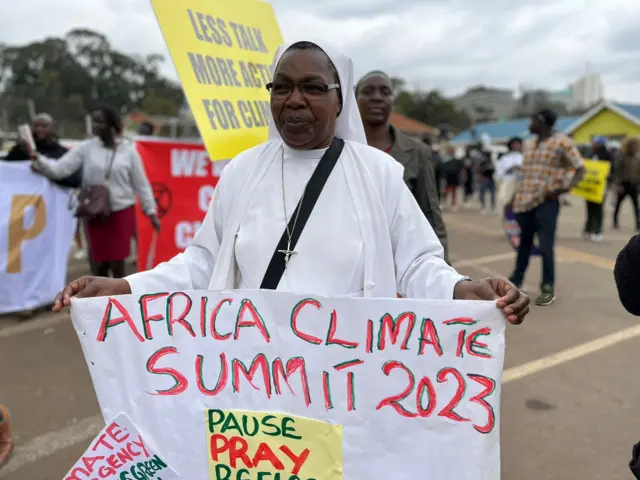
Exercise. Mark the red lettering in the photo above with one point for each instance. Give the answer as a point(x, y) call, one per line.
point(125, 454)
point(171, 320)
point(460, 346)
point(489, 385)
point(203, 316)
point(106, 471)
point(140, 443)
point(73, 475)
point(331, 337)
point(394, 400)
point(108, 322)
point(392, 327)
point(113, 461)
point(101, 441)
point(218, 444)
point(181, 381)
point(146, 319)
point(89, 462)
point(460, 321)
point(326, 391)
point(447, 411)
point(293, 364)
point(298, 460)
point(369, 346)
point(259, 362)
point(429, 336)
point(115, 431)
point(214, 317)
point(294, 321)
point(476, 348)
point(254, 321)
point(265, 454)
point(238, 447)
point(222, 378)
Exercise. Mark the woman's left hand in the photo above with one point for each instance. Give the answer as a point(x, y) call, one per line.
point(155, 221)
point(513, 302)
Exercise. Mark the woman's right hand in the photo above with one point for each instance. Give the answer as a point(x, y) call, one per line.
point(86, 287)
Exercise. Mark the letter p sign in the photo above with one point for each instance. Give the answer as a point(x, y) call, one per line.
point(19, 232)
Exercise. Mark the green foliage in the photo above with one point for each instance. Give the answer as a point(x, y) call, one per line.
point(68, 77)
point(431, 108)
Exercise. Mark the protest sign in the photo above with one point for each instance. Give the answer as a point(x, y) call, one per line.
point(36, 231)
point(119, 452)
point(594, 183)
point(183, 179)
point(266, 385)
point(223, 53)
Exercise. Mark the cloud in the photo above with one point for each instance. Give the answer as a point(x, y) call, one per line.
point(448, 45)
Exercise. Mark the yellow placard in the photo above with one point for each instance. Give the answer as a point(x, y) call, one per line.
point(223, 51)
point(594, 183)
point(272, 446)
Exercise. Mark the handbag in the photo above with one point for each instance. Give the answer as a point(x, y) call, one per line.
point(94, 201)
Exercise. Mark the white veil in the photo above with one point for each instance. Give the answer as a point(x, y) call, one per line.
point(349, 125)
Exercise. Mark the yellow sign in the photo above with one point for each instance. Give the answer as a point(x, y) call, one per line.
point(223, 51)
point(594, 183)
point(272, 446)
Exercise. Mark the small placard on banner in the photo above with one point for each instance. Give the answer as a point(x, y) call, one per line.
point(119, 452)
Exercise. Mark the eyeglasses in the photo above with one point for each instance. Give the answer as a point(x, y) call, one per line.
point(307, 89)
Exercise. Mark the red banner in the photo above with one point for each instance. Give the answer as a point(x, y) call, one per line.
point(183, 179)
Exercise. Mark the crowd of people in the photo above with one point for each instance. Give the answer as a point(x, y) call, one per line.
point(376, 232)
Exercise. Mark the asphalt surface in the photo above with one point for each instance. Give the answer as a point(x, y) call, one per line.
point(569, 398)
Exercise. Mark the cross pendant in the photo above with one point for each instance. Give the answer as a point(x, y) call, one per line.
point(287, 254)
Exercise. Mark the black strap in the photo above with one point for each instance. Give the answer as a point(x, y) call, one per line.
point(276, 267)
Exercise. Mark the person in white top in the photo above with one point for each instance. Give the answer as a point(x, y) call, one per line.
point(507, 173)
point(365, 237)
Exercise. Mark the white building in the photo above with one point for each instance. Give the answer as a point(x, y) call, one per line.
point(587, 90)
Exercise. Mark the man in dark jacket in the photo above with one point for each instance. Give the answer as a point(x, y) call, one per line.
point(375, 101)
point(47, 145)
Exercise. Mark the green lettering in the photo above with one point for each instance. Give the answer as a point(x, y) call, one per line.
point(245, 427)
point(158, 463)
point(222, 472)
point(243, 474)
point(231, 423)
point(125, 476)
point(286, 429)
point(212, 421)
point(137, 472)
point(262, 475)
point(266, 422)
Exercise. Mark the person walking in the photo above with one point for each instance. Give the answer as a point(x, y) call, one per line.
point(595, 211)
point(628, 179)
point(507, 174)
point(452, 168)
point(108, 158)
point(374, 94)
point(547, 160)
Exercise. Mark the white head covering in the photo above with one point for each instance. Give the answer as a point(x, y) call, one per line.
point(45, 117)
point(349, 125)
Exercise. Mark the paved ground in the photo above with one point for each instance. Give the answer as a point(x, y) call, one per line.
point(569, 403)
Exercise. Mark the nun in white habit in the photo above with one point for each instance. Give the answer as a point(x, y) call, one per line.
point(365, 237)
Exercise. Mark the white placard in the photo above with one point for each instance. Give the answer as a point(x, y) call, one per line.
point(36, 232)
point(244, 385)
point(119, 452)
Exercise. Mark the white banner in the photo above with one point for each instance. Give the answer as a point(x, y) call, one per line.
point(261, 385)
point(36, 231)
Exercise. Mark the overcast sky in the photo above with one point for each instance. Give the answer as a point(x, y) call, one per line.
point(448, 44)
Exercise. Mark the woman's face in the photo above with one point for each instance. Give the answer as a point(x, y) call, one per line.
point(375, 100)
point(99, 124)
point(305, 120)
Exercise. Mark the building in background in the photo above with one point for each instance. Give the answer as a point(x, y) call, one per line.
point(486, 103)
point(587, 91)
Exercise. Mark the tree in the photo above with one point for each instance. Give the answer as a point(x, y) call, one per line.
point(431, 108)
point(67, 77)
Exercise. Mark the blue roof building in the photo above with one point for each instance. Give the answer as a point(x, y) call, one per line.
point(501, 132)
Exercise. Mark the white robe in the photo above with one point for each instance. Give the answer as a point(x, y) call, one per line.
point(365, 237)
